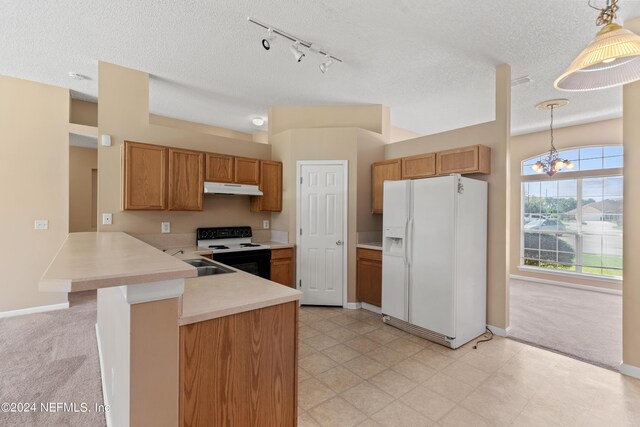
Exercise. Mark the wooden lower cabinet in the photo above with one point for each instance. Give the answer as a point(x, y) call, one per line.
point(240, 370)
point(282, 267)
point(369, 276)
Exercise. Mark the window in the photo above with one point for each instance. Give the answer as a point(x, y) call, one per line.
point(573, 221)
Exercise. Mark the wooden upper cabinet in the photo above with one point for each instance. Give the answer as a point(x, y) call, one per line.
point(186, 180)
point(388, 170)
point(473, 159)
point(246, 171)
point(271, 186)
point(144, 169)
point(219, 168)
point(420, 166)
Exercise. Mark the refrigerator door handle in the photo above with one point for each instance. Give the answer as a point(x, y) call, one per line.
point(406, 235)
point(409, 242)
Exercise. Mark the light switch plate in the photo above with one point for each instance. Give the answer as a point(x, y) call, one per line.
point(166, 227)
point(41, 224)
point(107, 219)
point(265, 224)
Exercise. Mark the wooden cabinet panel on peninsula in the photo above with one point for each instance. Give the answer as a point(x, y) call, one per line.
point(144, 176)
point(381, 171)
point(282, 267)
point(240, 370)
point(271, 186)
point(186, 180)
point(473, 159)
point(219, 168)
point(369, 276)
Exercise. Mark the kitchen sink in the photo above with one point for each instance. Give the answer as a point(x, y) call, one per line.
point(208, 268)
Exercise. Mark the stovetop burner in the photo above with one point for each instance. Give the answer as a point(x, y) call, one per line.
point(218, 247)
point(249, 245)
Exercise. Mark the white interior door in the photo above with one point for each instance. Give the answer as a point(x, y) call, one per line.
point(322, 232)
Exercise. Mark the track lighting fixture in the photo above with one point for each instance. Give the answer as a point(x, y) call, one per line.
point(325, 65)
point(295, 48)
point(266, 42)
point(296, 52)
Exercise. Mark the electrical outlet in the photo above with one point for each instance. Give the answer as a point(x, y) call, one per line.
point(41, 224)
point(107, 219)
point(166, 227)
point(265, 224)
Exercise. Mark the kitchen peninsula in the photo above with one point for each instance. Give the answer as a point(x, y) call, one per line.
point(170, 341)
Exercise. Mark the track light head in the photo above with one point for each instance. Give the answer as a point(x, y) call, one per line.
point(325, 65)
point(266, 42)
point(296, 52)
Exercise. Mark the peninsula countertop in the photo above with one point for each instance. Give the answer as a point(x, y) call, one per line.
point(91, 260)
point(219, 295)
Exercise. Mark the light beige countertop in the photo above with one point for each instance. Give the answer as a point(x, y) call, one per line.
point(210, 297)
point(277, 245)
point(376, 246)
point(89, 261)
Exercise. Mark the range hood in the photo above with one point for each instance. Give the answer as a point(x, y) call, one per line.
point(226, 188)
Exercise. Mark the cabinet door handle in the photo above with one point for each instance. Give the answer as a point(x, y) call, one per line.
point(339, 243)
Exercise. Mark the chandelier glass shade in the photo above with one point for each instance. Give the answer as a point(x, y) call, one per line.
point(611, 59)
point(552, 163)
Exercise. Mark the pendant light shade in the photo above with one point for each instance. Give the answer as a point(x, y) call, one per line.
point(611, 59)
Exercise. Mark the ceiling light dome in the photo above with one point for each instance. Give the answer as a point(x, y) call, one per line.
point(611, 59)
point(257, 121)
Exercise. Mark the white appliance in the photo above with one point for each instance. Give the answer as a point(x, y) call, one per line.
point(233, 246)
point(227, 188)
point(434, 258)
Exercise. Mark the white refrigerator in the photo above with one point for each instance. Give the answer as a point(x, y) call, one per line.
point(434, 260)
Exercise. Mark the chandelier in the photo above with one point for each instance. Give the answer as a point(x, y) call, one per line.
point(611, 59)
point(552, 163)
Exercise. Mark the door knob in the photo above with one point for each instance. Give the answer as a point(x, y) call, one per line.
point(339, 243)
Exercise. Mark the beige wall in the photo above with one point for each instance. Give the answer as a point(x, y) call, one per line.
point(124, 114)
point(154, 119)
point(374, 118)
point(331, 144)
point(495, 135)
point(399, 134)
point(82, 161)
point(631, 244)
point(608, 132)
point(83, 113)
point(34, 185)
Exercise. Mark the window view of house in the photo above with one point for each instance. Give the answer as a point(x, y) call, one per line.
point(573, 222)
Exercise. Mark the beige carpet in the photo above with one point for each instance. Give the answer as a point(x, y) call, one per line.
point(582, 324)
point(51, 357)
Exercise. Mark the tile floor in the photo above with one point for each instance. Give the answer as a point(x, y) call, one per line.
point(354, 370)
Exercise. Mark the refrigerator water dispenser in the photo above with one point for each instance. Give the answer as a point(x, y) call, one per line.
point(393, 241)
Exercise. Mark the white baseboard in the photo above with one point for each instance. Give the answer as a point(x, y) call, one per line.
point(372, 308)
point(566, 284)
point(499, 331)
point(32, 310)
point(630, 370)
point(352, 305)
point(107, 414)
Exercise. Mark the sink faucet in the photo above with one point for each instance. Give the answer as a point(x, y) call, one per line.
point(180, 251)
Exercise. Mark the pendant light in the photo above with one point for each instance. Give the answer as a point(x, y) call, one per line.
point(552, 163)
point(611, 59)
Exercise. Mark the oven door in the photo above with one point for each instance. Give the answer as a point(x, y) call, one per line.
point(256, 262)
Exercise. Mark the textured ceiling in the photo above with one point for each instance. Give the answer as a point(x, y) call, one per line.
point(432, 62)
